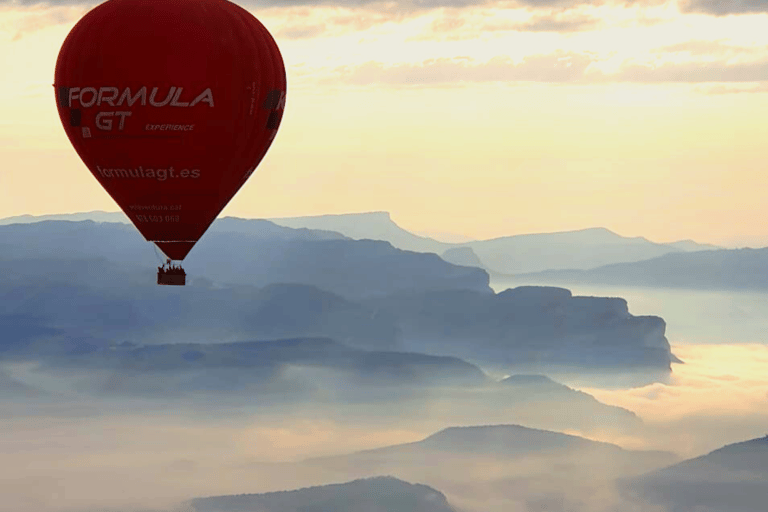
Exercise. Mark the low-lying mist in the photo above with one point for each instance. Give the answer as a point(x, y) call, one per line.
point(718, 396)
point(64, 450)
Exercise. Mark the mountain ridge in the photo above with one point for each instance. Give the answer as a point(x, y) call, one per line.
point(505, 255)
point(375, 494)
point(733, 478)
point(721, 269)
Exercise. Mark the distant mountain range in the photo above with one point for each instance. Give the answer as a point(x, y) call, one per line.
point(504, 467)
point(529, 329)
point(582, 249)
point(525, 329)
point(96, 216)
point(89, 281)
point(378, 494)
point(462, 256)
point(724, 269)
point(487, 467)
point(530, 400)
point(373, 226)
point(730, 479)
point(508, 466)
point(245, 253)
point(296, 369)
point(500, 442)
point(308, 370)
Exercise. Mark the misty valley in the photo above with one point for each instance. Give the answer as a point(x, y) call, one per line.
point(343, 364)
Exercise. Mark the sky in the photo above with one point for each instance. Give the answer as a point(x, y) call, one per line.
point(480, 118)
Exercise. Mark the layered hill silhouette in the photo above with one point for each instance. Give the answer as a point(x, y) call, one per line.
point(526, 328)
point(581, 249)
point(297, 369)
point(530, 328)
point(574, 407)
point(378, 494)
point(372, 225)
point(724, 269)
point(253, 252)
point(462, 256)
point(535, 401)
point(96, 216)
point(86, 280)
point(487, 467)
point(499, 442)
point(732, 478)
point(497, 467)
point(312, 371)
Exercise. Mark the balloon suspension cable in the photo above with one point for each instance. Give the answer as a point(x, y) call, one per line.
point(160, 257)
point(167, 264)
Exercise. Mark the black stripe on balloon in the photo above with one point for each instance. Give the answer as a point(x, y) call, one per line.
point(273, 122)
point(64, 97)
point(75, 117)
point(272, 100)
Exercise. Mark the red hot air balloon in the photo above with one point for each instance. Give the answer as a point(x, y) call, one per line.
point(171, 104)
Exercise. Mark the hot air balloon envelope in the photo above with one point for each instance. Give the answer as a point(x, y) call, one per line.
point(171, 104)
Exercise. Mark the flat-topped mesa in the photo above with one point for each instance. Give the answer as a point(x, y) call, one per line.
point(539, 294)
point(531, 328)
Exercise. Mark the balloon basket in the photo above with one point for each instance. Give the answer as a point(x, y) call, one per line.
point(171, 280)
point(172, 276)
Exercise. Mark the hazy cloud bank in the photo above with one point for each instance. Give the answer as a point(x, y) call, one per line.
point(710, 7)
point(561, 16)
point(694, 72)
point(403, 5)
point(734, 89)
point(303, 20)
point(22, 22)
point(705, 48)
point(724, 7)
point(457, 26)
point(717, 397)
point(124, 457)
point(557, 67)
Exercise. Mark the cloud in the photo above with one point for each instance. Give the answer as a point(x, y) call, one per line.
point(302, 31)
point(717, 397)
point(306, 23)
point(560, 23)
point(384, 5)
point(401, 4)
point(456, 19)
point(31, 20)
point(134, 455)
point(460, 26)
point(717, 89)
point(725, 7)
point(711, 7)
point(555, 67)
point(692, 72)
point(699, 48)
point(49, 3)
